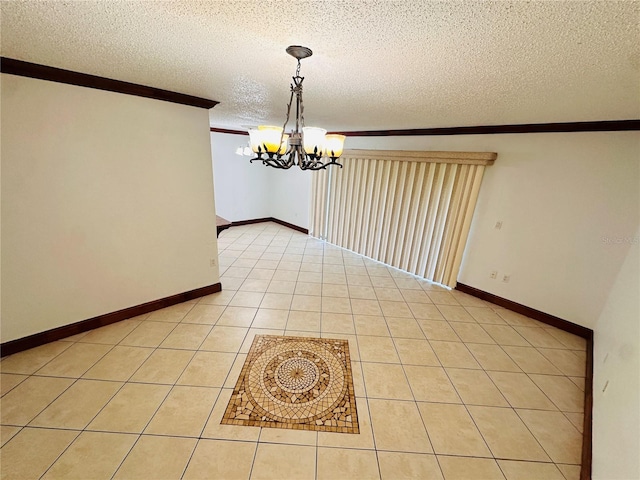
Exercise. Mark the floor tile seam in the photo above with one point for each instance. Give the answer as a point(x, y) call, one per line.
point(535, 436)
point(165, 337)
point(85, 371)
point(547, 396)
point(60, 454)
point(14, 386)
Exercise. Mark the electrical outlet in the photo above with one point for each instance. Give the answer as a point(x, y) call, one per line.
point(498, 225)
point(493, 275)
point(506, 278)
point(213, 262)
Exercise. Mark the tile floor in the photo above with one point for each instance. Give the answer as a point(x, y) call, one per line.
point(447, 386)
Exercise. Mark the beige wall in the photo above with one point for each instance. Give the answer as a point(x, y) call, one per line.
point(107, 203)
point(616, 408)
point(564, 199)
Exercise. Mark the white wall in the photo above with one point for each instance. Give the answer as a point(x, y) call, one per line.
point(246, 191)
point(559, 196)
point(107, 203)
point(616, 411)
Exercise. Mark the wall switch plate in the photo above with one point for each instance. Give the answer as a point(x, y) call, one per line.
point(498, 225)
point(493, 275)
point(213, 262)
point(506, 278)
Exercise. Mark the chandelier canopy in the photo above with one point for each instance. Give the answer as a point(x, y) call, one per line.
point(309, 148)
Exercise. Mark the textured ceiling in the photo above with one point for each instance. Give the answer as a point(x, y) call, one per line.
point(376, 64)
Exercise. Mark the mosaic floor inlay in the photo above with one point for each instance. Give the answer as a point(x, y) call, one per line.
point(295, 382)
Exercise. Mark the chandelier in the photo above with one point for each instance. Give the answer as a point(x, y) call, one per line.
point(309, 148)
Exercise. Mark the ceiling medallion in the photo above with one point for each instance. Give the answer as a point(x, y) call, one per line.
point(309, 148)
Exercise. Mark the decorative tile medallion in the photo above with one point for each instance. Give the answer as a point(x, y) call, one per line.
point(295, 382)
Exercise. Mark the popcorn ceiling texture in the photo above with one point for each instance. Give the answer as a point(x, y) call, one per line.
point(376, 64)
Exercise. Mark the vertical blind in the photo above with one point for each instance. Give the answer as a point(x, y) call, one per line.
point(411, 210)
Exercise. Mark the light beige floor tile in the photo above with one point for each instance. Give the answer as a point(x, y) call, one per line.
point(111, 334)
point(236, 368)
point(438, 330)
point(579, 382)
point(304, 321)
point(414, 296)
point(467, 300)
point(291, 437)
point(383, 282)
point(388, 294)
point(362, 440)
point(530, 360)
point(274, 462)
point(204, 314)
point(359, 280)
point(404, 328)
point(455, 313)
point(335, 290)
point(186, 336)
point(221, 298)
point(32, 451)
point(184, 412)
point(465, 468)
point(396, 309)
point(28, 399)
point(485, 315)
point(131, 409)
point(506, 335)
point(562, 392)
point(431, 384)
point(576, 419)
point(207, 369)
point(506, 435)
point(221, 459)
point(442, 419)
point(271, 318)
point(282, 287)
point(383, 380)
point(157, 457)
point(397, 426)
point(560, 439)
point(471, 333)
point(570, 472)
point(416, 352)
point(425, 311)
point(119, 364)
point(361, 306)
point(566, 361)
point(175, 313)
point(8, 381)
point(347, 463)
point(278, 301)
point(163, 366)
point(529, 470)
point(237, 317)
point(520, 391)
point(92, 455)
point(307, 303)
point(454, 354)
point(254, 284)
point(377, 349)
point(339, 304)
point(570, 341)
point(7, 433)
point(75, 360)
point(307, 288)
point(224, 339)
point(408, 466)
point(516, 319)
point(493, 357)
point(371, 325)
point(77, 406)
point(337, 323)
point(29, 361)
point(362, 292)
point(262, 273)
point(148, 334)
point(538, 337)
point(335, 279)
point(214, 429)
point(476, 388)
point(442, 298)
